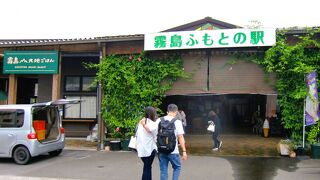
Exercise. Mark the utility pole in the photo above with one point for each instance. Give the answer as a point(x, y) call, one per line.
point(101, 125)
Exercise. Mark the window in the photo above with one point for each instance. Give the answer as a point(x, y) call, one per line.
point(72, 83)
point(87, 84)
point(12, 118)
point(80, 87)
point(84, 110)
point(79, 84)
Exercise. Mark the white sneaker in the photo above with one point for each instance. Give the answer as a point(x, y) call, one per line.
point(215, 149)
point(220, 144)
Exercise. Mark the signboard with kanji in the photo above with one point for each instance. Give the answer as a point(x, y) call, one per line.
point(30, 62)
point(210, 39)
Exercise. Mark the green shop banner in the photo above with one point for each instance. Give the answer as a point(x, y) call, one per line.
point(30, 62)
point(223, 38)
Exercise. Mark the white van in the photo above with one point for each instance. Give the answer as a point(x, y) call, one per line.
point(30, 130)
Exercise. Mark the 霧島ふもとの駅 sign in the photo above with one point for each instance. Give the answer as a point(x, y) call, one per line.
point(30, 62)
point(210, 39)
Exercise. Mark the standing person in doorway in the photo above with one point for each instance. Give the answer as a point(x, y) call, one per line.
point(182, 116)
point(169, 151)
point(213, 117)
point(146, 141)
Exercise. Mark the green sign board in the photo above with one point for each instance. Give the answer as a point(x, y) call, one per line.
point(223, 38)
point(30, 62)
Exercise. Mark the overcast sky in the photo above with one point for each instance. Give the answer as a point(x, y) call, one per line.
point(23, 19)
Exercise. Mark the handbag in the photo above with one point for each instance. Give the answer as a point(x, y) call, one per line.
point(133, 139)
point(211, 127)
point(133, 142)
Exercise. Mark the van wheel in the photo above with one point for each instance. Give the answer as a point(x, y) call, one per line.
point(21, 155)
point(55, 153)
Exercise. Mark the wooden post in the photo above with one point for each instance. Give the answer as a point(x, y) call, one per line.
point(56, 79)
point(12, 92)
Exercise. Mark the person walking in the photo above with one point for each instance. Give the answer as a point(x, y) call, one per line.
point(213, 117)
point(166, 156)
point(146, 141)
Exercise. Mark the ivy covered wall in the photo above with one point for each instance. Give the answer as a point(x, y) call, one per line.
point(291, 61)
point(132, 82)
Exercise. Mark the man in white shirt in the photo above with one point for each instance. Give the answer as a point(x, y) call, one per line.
point(173, 157)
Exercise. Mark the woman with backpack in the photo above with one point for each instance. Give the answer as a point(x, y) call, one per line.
point(146, 141)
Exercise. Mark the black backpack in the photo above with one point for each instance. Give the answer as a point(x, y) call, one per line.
point(166, 138)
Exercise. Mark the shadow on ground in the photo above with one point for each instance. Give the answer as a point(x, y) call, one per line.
point(262, 168)
point(233, 145)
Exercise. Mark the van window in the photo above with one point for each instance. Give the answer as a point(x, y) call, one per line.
point(11, 118)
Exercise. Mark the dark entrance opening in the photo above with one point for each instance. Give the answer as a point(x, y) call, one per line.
point(4, 83)
point(238, 112)
point(26, 90)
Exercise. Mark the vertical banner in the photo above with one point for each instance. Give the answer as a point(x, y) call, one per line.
point(312, 103)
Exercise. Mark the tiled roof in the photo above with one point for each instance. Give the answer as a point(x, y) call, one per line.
point(33, 42)
point(186, 27)
point(298, 30)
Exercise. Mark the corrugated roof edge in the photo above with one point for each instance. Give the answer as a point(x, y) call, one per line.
point(37, 42)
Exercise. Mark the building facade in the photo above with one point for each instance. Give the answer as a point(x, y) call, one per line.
point(237, 89)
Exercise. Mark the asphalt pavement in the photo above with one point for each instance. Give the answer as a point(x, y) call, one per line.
point(91, 164)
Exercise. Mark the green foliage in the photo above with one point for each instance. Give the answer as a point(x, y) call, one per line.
point(290, 63)
point(313, 134)
point(130, 83)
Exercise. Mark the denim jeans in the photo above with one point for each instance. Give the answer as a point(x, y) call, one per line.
point(164, 160)
point(216, 141)
point(147, 166)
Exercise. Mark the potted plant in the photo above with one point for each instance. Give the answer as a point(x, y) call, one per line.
point(114, 140)
point(315, 151)
point(314, 139)
point(120, 132)
point(286, 147)
point(127, 133)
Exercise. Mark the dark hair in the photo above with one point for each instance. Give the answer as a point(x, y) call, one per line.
point(150, 113)
point(211, 114)
point(172, 108)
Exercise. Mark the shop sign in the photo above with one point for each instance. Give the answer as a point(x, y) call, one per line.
point(30, 62)
point(210, 39)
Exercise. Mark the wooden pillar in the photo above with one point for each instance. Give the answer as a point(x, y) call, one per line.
point(56, 80)
point(12, 91)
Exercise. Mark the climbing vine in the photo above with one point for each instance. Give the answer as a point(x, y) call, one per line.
point(291, 62)
point(132, 82)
